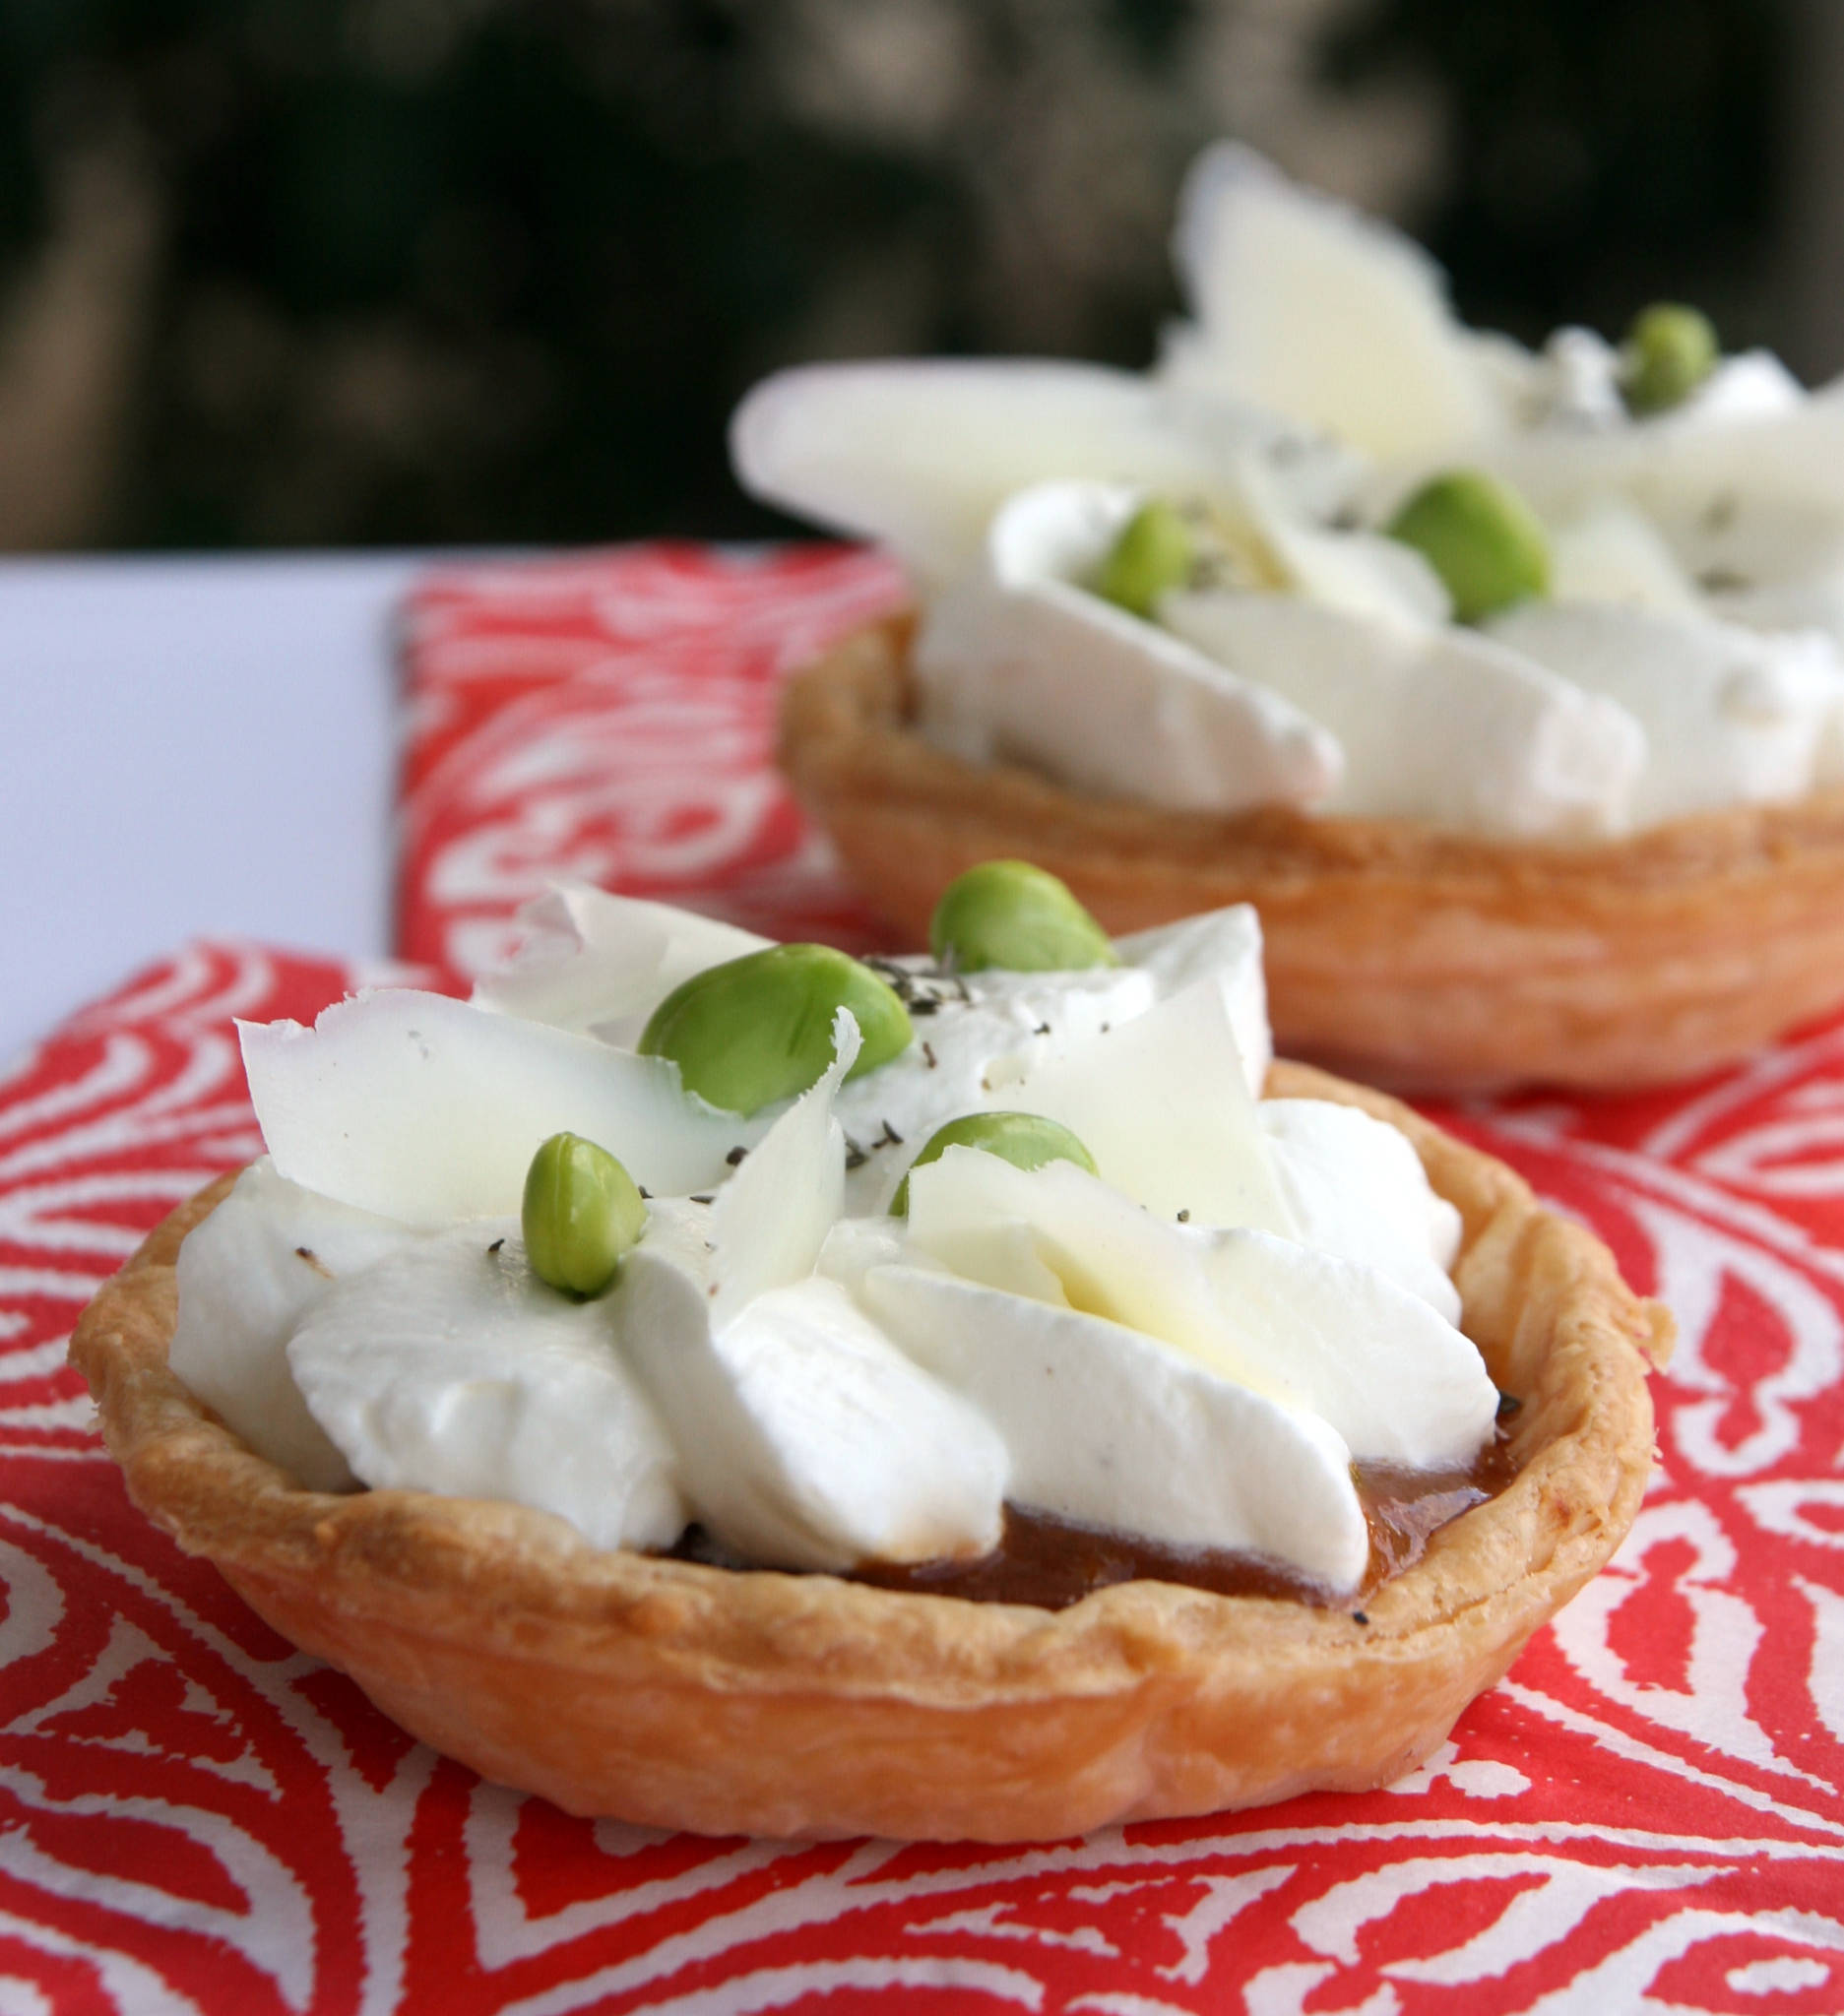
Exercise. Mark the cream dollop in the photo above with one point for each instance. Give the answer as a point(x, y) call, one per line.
point(449, 1366)
point(1017, 659)
point(247, 1278)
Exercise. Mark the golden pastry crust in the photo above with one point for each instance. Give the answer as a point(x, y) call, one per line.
point(678, 1695)
point(1401, 953)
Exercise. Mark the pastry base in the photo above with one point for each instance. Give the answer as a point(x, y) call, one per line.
point(1400, 953)
point(676, 1695)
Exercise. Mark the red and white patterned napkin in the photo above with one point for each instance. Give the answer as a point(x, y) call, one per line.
point(1646, 1815)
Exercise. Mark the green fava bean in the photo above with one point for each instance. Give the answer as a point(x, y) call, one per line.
point(1011, 914)
point(1482, 538)
point(581, 1212)
point(1668, 351)
point(1154, 554)
point(759, 1029)
point(1025, 1140)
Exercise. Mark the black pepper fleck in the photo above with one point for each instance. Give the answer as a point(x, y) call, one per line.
point(496, 1246)
point(1359, 1616)
point(736, 1154)
point(1184, 1218)
point(706, 1198)
point(929, 1052)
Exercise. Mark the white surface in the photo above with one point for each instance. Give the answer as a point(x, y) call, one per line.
point(190, 747)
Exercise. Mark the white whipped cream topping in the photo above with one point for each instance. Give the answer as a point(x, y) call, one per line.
point(1351, 1184)
point(1309, 1328)
point(1338, 695)
point(247, 1276)
point(449, 1366)
point(1193, 1346)
point(1730, 715)
point(1017, 659)
point(810, 1438)
point(1436, 724)
point(1107, 1427)
point(1727, 509)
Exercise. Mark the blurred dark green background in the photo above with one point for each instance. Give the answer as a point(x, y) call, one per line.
point(304, 272)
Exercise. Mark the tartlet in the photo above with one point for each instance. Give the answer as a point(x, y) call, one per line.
point(673, 1694)
point(1395, 951)
point(1508, 684)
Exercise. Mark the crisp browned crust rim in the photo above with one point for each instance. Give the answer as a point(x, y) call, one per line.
point(1397, 952)
point(677, 1695)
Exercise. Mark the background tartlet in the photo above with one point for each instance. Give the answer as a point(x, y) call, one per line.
point(1507, 683)
point(1395, 951)
point(673, 1694)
